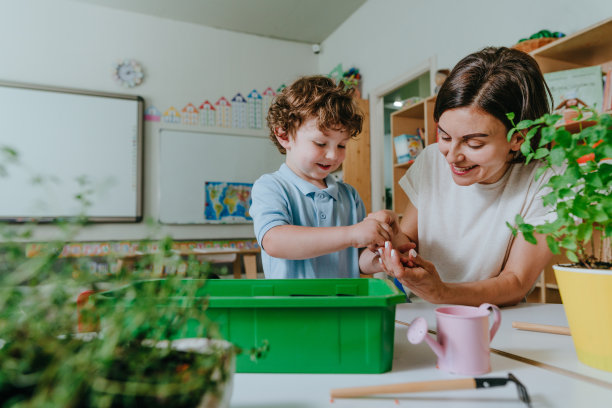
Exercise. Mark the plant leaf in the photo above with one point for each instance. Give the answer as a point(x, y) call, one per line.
point(557, 156)
point(539, 172)
point(541, 152)
point(525, 148)
point(512, 229)
point(524, 124)
point(553, 245)
point(532, 132)
point(551, 120)
point(563, 138)
point(571, 256)
point(548, 135)
point(584, 232)
point(530, 238)
point(510, 133)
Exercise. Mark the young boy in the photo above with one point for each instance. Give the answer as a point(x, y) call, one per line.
point(308, 224)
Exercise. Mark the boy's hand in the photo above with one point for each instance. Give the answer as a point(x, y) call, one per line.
point(370, 233)
point(388, 217)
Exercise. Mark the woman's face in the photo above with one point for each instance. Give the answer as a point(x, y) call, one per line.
point(475, 146)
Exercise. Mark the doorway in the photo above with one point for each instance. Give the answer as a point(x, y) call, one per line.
point(418, 83)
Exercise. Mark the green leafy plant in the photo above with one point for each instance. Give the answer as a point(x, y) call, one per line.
point(129, 363)
point(581, 197)
point(133, 359)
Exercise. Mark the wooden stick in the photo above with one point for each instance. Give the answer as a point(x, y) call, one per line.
point(544, 328)
point(438, 385)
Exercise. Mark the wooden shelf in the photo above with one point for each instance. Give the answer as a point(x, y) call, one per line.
point(591, 46)
point(403, 165)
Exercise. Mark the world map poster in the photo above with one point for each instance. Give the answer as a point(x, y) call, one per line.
point(227, 203)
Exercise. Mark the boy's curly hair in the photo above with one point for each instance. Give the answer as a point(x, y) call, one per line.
point(314, 96)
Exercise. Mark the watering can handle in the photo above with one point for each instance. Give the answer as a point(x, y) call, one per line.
point(496, 318)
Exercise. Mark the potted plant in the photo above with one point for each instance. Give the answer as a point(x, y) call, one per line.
point(581, 198)
point(132, 362)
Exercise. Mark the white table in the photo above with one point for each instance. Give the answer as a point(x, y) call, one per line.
point(417, 363)
point(551, 349)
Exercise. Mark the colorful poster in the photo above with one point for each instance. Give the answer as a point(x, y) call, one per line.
point(226, 202)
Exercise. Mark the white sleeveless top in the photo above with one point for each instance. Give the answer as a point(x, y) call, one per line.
point(462, 229)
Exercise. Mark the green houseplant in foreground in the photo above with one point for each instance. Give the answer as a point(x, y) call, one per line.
point(130, 363)
point(581, 199)
point(581, 196)
point(139, 358)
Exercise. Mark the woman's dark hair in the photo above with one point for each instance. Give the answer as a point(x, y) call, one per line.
point(314, 96)
point(497, 81)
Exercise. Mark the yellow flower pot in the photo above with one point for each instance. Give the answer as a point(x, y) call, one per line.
point(587, 299)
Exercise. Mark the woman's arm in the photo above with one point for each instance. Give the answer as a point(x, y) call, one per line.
point(523, 267)
point(409, 228)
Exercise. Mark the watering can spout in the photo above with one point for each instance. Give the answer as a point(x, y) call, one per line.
point(418, 332)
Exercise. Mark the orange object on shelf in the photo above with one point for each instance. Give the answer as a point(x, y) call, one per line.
point(532, 44)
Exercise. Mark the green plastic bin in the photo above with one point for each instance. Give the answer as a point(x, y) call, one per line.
point(311, 325)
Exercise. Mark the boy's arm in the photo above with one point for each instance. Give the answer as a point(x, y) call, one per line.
point(298, 242)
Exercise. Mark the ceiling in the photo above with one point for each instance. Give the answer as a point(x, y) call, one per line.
point(306, 21)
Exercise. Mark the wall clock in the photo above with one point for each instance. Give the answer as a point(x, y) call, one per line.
point(128, 73)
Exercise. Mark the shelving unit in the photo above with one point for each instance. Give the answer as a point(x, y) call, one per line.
point(407, 121)
point(591, 46)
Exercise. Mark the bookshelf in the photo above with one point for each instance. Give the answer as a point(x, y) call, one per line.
point(408, 120)
point(588, 47)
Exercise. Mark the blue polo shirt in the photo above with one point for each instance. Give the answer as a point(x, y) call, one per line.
point(283, 198)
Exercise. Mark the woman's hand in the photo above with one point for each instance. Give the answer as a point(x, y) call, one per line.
point(414, 272)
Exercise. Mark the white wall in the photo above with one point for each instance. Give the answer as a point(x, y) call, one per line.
point(388, 38)
point(70, 44)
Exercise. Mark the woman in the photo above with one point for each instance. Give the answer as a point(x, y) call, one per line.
point(464, 189)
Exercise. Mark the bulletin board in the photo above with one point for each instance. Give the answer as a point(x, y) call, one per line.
point(70, 143)
point(190, 159)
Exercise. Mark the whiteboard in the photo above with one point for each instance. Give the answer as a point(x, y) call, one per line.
point(189, 159)
point(68, 143)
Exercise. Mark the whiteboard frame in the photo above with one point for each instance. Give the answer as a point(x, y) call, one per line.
point(139, 159)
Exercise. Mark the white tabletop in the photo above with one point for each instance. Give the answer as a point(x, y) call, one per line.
point(552, 349)
point(547, 388)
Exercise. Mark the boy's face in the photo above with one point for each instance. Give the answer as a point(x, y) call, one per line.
point(311, 153)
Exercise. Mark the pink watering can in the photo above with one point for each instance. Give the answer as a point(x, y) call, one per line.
point(464, 337)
